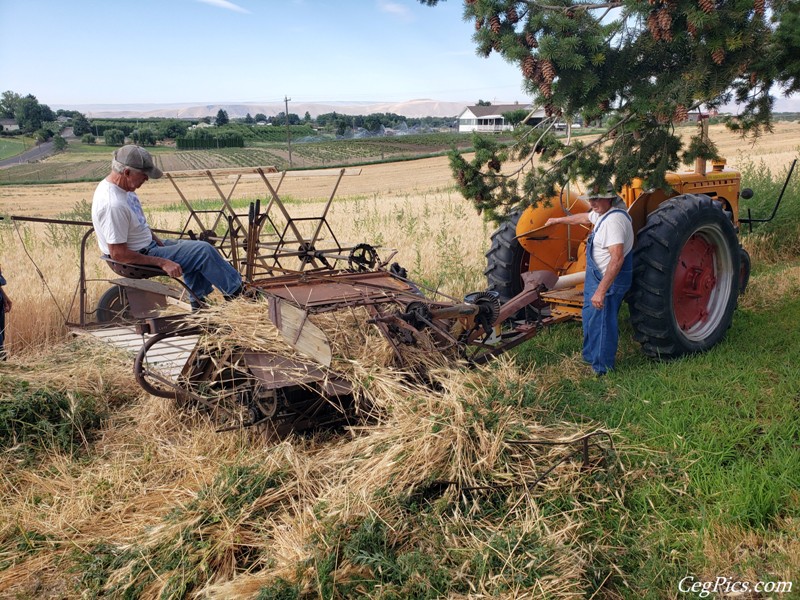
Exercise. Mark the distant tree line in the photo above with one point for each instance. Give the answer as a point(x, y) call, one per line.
point(38, 119)
point(29, 114)
point(203, 139)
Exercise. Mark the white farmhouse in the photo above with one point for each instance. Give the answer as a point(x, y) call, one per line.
point(490, 118)
point(8, 125)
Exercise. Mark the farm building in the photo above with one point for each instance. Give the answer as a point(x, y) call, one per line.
point(8, 125)
point(490, 118)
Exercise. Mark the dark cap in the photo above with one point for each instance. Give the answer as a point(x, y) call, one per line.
point(137, 158)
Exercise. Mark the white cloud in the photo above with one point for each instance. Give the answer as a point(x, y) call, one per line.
point(397, 10)
point(226, 5)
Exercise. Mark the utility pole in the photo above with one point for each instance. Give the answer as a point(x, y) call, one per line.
point(288, 131)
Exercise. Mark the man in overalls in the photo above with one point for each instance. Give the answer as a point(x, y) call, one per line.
point(609, 271)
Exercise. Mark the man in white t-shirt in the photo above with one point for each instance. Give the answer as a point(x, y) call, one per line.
point(609, 272)
point(124, 235)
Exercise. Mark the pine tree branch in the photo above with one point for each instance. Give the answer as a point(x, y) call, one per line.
point(600, 140)
point(577, 6)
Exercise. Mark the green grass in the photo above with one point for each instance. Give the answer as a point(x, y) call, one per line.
point(34, 420)
point(11, 147)
point(718, 436)
point(766, 191)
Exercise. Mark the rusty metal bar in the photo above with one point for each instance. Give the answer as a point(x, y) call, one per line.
point(186, 202)
point(327, 208)
point(226, 199)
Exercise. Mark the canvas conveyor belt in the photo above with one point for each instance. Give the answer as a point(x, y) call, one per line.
point(570, 296)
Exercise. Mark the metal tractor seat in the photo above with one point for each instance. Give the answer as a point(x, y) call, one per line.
point(132, 271)
point(146, 300)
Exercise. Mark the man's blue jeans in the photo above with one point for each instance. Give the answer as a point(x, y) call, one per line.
point(203, 266)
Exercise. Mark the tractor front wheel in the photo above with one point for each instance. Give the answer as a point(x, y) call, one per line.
point(686, 277)
point(744, 270)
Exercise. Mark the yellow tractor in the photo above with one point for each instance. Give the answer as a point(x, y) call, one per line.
point(689, 266)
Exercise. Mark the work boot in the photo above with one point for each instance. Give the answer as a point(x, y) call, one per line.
point(234, 294)
point(197, 303)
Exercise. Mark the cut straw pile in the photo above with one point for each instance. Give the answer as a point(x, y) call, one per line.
point(362, 356)
point(165, 507)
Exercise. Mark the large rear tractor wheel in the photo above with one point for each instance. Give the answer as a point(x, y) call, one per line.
point(686, 277)
point(506, 260)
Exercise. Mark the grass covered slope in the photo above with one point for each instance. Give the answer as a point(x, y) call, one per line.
point(701, 480)
point(107, 493)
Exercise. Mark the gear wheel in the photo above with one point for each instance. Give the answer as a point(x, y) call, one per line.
point(362, 258)
point(489, 304)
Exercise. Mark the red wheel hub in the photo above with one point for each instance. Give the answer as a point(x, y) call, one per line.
point(694, 282)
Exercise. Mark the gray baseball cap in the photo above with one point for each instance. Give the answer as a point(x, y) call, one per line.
point(599, 192)
point(137, 158)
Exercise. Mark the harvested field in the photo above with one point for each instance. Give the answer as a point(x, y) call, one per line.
point(388, 179)
point(385, 180)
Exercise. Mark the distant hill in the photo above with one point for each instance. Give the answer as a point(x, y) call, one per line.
point(187, 110)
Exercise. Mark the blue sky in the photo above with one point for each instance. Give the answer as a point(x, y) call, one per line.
point(163, 51)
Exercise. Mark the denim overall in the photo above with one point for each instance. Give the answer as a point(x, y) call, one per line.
point(600, 326)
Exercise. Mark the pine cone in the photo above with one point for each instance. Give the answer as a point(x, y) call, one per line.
point(681, 113)
point(691, 29)
point(548, 71)
point(552, 110)
point(758, 6)
point(529, 64)
point(718, 56)
point(494, 22)
point(494, 164)
point(707, 6)
point(470, 1)
point(653, 26)
point(664, 20)
point(662, 118)
point(604, 105)
point(546, 90)
point(753, 78)
point(478, 23)
point(511, 15)
point(531, 41)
